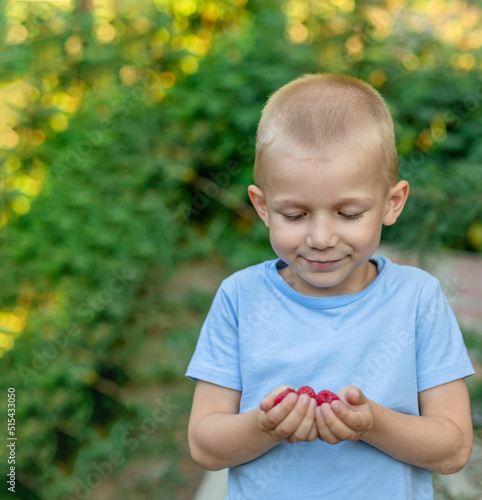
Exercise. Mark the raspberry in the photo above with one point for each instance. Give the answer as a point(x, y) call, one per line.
point(282, 395)
point(306, 389)
point(326, 397)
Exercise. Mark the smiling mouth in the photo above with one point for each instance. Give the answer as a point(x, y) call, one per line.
point(322, 264)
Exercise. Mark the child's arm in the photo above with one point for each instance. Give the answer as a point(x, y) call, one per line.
point(439, 440)
point(220, 437)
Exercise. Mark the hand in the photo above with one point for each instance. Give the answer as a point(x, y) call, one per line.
point(292, 420)
point(344, 420)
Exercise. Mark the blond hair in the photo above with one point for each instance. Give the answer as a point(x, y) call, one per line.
point(314, 112)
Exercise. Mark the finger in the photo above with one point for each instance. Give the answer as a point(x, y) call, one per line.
point(271, 419)
point(324, 431)
point(305, 428)
point(336, 426)
point(293, 420)
point(356, 420)
point(352, 396)
point(268, 401)
point(313, 435)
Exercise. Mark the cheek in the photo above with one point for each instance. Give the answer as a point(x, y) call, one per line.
point(363, 234)
point(285, 236)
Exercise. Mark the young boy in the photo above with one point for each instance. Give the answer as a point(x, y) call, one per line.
point(328, 314)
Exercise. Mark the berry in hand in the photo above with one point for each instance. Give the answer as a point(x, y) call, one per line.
point(325, 397)
point(282, 395)
point(306, 389)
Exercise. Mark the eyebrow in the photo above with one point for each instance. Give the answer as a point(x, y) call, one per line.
point(288, 202)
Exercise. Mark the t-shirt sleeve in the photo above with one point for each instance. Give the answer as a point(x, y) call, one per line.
point(216, 358)
point(441, 353)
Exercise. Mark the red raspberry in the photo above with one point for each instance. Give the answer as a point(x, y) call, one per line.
point(282, 395)
point(306, 389)
point(326, 397)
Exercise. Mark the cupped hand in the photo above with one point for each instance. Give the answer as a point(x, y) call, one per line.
point(345, 420)
point(292, 420)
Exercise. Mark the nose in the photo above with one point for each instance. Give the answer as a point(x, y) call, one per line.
point(321, 234)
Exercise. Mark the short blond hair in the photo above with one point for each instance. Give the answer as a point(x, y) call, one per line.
point(314, 112)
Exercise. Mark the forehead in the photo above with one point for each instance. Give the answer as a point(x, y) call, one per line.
point(337, 175)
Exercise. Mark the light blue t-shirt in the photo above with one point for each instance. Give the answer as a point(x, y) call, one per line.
point(393, 339)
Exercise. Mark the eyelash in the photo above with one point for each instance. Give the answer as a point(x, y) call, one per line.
point(347, 217)
point(294, 218)
point(351, 217)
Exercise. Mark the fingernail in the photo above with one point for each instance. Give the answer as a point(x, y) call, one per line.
point(291, 397)
point(305, 399)
point(336, 405)
point(318, 413)
point(312, 403)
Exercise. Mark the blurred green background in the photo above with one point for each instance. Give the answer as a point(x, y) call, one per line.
point(127, 132)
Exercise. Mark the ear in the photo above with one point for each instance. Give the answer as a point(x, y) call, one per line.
point(259, 202)
point(397, 196)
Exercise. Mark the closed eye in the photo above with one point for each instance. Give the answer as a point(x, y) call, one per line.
point(350, 216)
point(294, 218)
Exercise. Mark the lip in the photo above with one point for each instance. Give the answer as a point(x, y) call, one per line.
point(322, 265)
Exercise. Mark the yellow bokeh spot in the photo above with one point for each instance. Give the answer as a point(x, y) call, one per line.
point(8, 138)
point(128, 75)
point(73, 45)
point(188, 174)
point(18, 33)
point(195, 44)
point(189, 65)
point(298, 33)
point(185, 7)
point(337, 25)
point(90, 377)
point(354, 45)
point(59, 122)
point(65, 102)
point(57, 25)
point(37, 137)
point(210, 13)
point(6, 342)
point(167, 79)
point(438, 130)
point(474, 235)
point(12, 164)
point(157, 94)
point(344, 5)
point(104, 32)
point(382, 22)
point(50, 81)
point(141, 25)
point(452, 32)
point(297, 9)
point(157, 49)
point(475, 39)
point(13, 321)
point(27, 185)
point(410, 61)
point(464, 61)
point(21, 205)
point(3, 220)
point(377, 77)
point(424, 140)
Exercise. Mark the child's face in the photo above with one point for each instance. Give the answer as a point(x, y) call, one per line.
point(325, 218)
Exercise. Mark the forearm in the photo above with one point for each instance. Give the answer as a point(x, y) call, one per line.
point(221, 440)
point(432, 442)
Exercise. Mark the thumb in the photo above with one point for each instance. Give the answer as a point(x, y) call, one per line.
point(355, 396)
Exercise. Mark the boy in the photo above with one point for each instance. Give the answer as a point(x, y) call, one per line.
point(328, 314)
